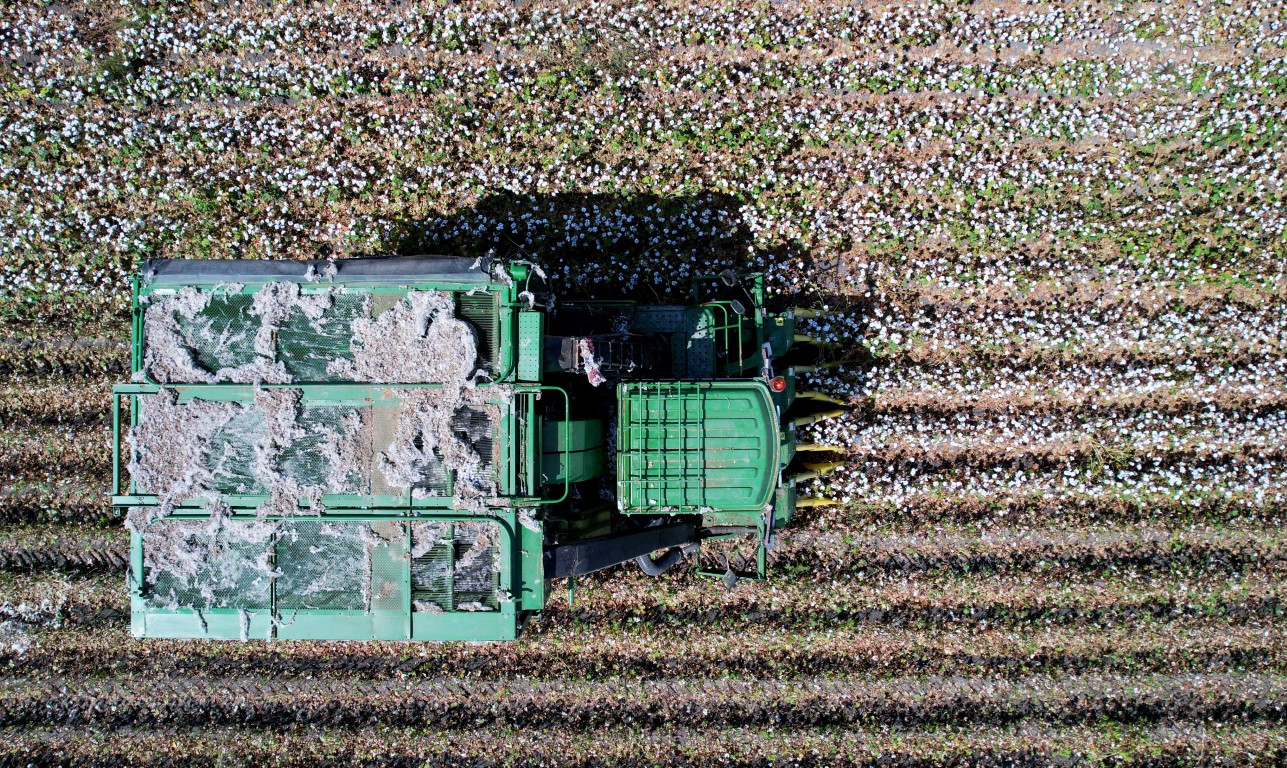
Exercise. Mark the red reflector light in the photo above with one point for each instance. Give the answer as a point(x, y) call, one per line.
point(777, 384)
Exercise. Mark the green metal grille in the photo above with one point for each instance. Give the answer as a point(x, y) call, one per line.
point(482, 310)
point(455, 566)
point(695, 446)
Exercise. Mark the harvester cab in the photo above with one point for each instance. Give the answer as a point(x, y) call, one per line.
point(413, 448)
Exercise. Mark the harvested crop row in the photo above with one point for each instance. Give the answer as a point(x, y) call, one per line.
point(809, 702)
point(63, 358)
point(827, 555)
point(617, 601)
point(755, 652)
point(824, 554)
point(76, 455)
point(45, 503)
point(1024, 745)
point(1037, 599)
point(68, 558)
point(59, 403)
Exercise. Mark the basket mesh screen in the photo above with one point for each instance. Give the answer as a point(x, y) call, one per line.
point(311, 459)
point(323, 565)
point(307, 346)
point(294, 564)
point(222, 334)
point(187, 565)
point(232, 454)
point(455, 566)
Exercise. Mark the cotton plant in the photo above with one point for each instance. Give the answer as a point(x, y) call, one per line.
point(904, 174)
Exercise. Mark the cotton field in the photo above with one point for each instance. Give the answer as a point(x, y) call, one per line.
point(1046, 248)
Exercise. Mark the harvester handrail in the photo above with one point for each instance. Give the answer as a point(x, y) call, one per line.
point(567, 438)
point(726, 327)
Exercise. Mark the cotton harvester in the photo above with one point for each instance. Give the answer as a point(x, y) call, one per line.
point(414, 448)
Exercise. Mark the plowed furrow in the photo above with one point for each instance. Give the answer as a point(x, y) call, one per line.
point(810, 702)
point(67, 558)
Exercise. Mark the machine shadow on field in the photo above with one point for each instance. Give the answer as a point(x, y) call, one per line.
point(646, 248)
point(642, 247)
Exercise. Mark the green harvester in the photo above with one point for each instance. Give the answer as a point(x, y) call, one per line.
point(415, 448)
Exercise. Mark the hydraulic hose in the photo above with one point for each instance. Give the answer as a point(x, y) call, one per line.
point(665, 562)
